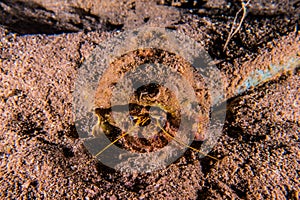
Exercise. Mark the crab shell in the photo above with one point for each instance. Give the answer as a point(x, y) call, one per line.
point(136, 58)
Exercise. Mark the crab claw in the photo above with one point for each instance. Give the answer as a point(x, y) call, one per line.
point(199, 136)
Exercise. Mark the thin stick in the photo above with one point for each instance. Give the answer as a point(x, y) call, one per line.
point(116, 140)
point(142, 122)
point(232, 33)
point(182, 143)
